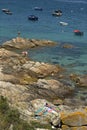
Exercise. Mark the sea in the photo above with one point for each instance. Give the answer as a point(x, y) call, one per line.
point(74, 12)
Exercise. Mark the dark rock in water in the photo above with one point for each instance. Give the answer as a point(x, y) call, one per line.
point(68, 46)
point(55, 62)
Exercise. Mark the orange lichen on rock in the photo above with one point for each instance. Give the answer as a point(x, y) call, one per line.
point(75, 119)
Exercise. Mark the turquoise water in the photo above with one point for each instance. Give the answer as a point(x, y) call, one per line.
point(74, 60)
point(48, 27)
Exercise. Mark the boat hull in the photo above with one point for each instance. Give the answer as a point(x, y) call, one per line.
point(33, 18)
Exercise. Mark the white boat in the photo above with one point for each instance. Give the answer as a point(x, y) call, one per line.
point(38, 8)
point(63, 23)
point(7, 11)
point(57, 13)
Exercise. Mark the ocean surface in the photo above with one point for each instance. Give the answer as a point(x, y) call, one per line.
point(48, 27)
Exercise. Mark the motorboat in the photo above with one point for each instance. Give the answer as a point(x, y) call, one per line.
point(57, 13)
point(33, 18)
point(7, 11)
point(38, 8)
point(10, 13)
point(78, 33)
point(63, 23)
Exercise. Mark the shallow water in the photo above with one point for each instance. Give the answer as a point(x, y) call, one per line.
point(74, 60)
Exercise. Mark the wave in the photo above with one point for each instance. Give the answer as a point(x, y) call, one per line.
point(72, 1)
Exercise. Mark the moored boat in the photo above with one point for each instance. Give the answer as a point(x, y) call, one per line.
point(78, 32)
point(33, 18)
point(57, 13)
point(63, 23)
point(38, 8)
point(10, 13)
point(7, 11)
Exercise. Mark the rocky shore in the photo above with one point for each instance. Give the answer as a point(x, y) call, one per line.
point(39, 90)
point(23, 43)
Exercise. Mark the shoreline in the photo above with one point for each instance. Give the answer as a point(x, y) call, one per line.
point(25, 82)
point(24, 44)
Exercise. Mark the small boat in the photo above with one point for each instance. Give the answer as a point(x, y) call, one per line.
point(33, 18)
point(7, 11)
point(10, 13)
point(57, 13)
point(63, 23)
point(78, 32)
point(38, 8)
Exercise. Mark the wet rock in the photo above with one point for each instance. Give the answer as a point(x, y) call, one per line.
point(68, 46)
point(81, 81)
point(73, 76)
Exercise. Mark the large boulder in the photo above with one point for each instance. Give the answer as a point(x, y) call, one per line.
point(56, 87)
point(82, 81)
point(41, 69)
point(75, 119)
